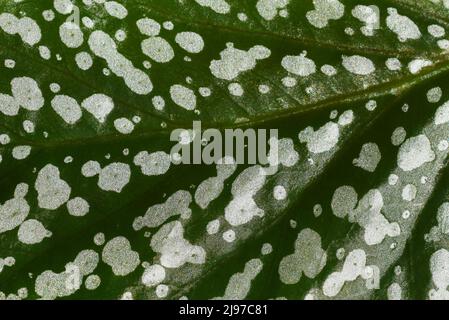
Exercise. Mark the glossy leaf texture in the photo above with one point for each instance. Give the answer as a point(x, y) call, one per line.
point(93, 208)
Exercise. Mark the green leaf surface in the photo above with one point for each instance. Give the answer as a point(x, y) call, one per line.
point(92, 208)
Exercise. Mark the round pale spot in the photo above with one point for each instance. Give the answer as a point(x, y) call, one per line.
point(358, 65)
point(213, 226)
point(229, 236)
point(116, 9)
point(67, 108)
point(92, 282)
point(434, 95)
point(63, 6)
point(114, 177)
point(393, 64)
point(398, 136)
point(117, 253)
point(123, 125)
point(162, 291)
point(148, 27)
point(235, 89)
point(71, 35)
point(153, 275)
point(8, 105)
point(27, 93)
point(32, 232)
point(279, 193)
point(158, 49)
point(83, 60)
point(21, 152)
